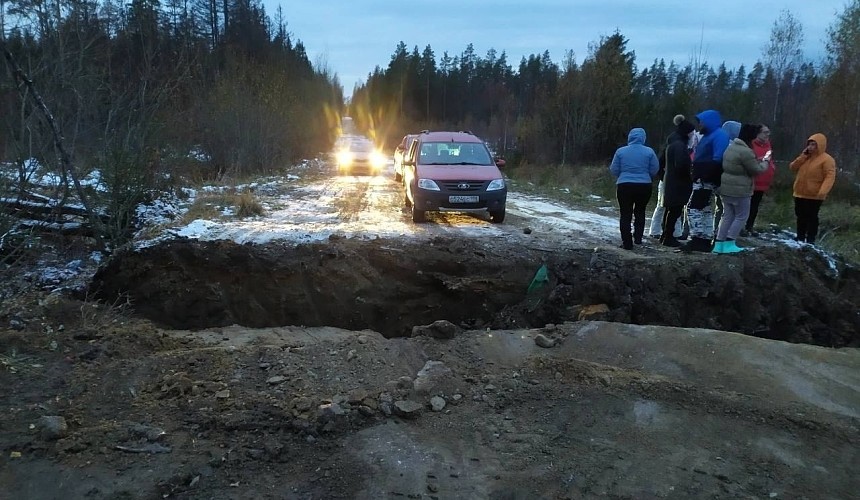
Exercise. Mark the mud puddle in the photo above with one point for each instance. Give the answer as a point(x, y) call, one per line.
point(389, 286)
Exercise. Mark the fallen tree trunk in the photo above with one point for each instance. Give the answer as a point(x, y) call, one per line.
point(66, 228)
point(23, 208)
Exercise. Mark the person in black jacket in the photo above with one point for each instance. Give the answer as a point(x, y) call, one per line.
point(677, 181)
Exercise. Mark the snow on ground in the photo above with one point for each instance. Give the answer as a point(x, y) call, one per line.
point(562, 217)
point(312, 213)
point(325, 208)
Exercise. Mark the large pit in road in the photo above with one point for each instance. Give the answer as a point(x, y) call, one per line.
point(390, 286)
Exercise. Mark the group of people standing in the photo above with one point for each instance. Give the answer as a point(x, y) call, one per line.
point(706, 163)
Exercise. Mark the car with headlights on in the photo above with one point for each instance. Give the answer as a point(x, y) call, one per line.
point(453, 171)
point(360, 157)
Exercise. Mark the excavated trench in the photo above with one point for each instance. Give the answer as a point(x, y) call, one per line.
point(390, 286)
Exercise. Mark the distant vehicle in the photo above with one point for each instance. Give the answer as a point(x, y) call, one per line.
point(453, 171)
point(399, 152)
point(359, 156)
point(347, 126)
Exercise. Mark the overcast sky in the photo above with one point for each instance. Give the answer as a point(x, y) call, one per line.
point(352, 37)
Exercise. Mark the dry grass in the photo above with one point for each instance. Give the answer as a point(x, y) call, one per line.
point(583, 185)
point(247, 205)
point(204, 207)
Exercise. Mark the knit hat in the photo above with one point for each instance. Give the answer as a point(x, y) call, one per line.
point(683, 126)
point(748, 132)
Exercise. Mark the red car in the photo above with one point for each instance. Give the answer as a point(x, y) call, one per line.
point(453, 171)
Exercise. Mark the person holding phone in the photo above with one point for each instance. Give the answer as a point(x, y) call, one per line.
point(761, 147)
point(815, 174)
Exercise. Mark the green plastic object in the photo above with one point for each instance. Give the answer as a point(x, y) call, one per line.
point(540, 280)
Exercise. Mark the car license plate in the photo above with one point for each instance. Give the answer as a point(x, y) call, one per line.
point(463, 199)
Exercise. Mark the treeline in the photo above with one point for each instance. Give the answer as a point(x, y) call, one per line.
point(144, 93)
point(148, 81)
point(543, 112)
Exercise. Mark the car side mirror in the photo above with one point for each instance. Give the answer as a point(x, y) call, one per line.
point(500, 162)
point(409, 163)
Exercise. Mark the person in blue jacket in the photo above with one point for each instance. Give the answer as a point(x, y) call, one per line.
point(635, 167)
point(707, 170)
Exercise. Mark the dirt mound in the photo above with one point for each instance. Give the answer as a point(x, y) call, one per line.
point(390, 286)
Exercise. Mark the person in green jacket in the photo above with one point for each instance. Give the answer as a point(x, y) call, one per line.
point(740, 167)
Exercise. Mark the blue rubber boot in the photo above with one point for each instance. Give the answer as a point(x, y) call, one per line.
point(729, 246)
point(718, 246)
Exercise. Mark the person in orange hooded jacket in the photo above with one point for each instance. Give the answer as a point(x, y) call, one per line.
point(815, 173)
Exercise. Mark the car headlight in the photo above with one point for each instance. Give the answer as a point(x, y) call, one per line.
point(428, 185)
point(496, 184)
point(377, 159)
point(344, 158)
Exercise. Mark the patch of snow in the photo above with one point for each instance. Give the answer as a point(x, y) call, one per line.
point(787, 238)
point(160, 211)
point(198, 154)
point(560, 216)
point(52, 275)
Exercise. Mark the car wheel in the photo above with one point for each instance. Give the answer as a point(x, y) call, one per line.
point(497, 216)
point(418, 215)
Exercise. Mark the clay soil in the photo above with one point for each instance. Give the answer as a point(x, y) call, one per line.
point(217, 370)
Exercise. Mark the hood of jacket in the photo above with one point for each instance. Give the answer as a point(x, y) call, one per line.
point(636, 136)
point(732, 128)
point(821, 140)
point(710, 120)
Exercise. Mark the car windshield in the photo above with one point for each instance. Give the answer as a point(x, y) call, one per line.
point(454, 153)
point(361, 147)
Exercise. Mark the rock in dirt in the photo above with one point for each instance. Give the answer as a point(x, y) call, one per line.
point(595, 312)
point(431, 376)
point(330, 411)
point(437, 403)
point(407, 409)
point(441, 329)
point(148, 432)
point(275, 380)
point(404, 382)
point(543, 341)
point(53, 427)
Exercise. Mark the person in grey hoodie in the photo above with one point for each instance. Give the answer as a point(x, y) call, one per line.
point(740, 167)
point(732, 128)
point(634, 167)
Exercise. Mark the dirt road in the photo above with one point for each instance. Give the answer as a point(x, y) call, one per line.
point(331, 349)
